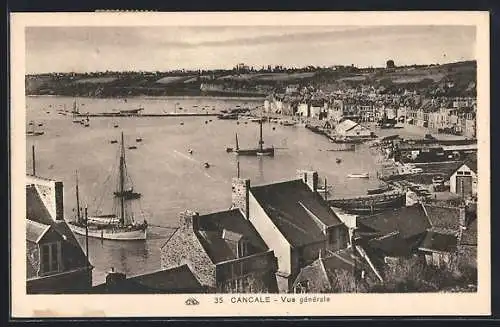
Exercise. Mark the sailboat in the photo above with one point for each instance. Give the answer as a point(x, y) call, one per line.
point(117, 226)
point(76, 113)
point(259, 151)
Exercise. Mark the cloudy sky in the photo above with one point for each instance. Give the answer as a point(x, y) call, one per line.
point(81, 49)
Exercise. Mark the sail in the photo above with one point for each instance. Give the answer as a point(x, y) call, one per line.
point(125, 190)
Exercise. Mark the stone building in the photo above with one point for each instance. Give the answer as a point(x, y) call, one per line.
point(224, 252)
point(293, 220)
point(55, 262)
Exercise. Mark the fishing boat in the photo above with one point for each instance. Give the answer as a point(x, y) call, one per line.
point(132, 147)
point(130, 112)
point(117, 226)
point(378, 190)
point(361, 175)
point(76, 113)
point(113, 141)
point(259, 151)
point(338, 160)
point(138, 139)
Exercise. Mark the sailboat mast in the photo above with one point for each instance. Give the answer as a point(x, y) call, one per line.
point(237, 145)
point(33, 157)
point(122, 181)
point(260, 138)
point(77, 200)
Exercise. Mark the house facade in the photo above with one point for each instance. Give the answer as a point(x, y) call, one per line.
point(463, 181)
point(223, 251)
point(55, 261)
point(293, 220)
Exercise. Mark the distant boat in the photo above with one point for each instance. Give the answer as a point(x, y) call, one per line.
point(138, 139)
point(338, 160)
point(190, 151)
point(378, 190)
point(322, 189)
point(363, 175)
point(115, 126)
point(127, 112)
point(206, 165)
point(182, 123)
point(113, 141)
point(132, 147)
point(30, 131)
point(259, 151)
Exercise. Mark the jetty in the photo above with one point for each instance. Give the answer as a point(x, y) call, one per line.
point(369, 204)
point(173, 114)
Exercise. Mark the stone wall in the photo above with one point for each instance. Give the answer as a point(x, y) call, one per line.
point(185, 248)
point(240, 190)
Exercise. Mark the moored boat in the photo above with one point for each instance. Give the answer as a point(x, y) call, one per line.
point(259, 151)
point(117, 226)
point(360, 175)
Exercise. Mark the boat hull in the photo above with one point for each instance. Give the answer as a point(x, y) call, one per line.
point(111, 233)
point(358, 176)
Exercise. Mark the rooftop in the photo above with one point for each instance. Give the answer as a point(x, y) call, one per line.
point(35, 208)
point(439, 242)
point(408, 221)
point(176, 280)
point(219, 233)
point(296, 211)
point(443, 217)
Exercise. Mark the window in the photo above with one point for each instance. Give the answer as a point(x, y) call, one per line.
point(51, 257)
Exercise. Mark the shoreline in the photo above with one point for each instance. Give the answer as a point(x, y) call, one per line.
point(151, 97)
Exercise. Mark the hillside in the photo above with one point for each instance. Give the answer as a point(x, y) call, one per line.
point(455, 79)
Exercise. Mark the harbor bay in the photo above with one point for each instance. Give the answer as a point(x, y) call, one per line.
point(171, 179)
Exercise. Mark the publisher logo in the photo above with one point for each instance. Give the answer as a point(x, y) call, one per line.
point(192, 301)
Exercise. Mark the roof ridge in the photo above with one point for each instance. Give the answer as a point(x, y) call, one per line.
point(323, 269)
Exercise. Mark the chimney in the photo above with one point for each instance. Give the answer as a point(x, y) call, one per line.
point(188, 220)
point(59, 200)
point(113, 280)
point(240, 195)
point(310, 178)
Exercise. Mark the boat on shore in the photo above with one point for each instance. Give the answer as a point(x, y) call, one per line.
point(359, 175)
point(378, 190)
point(259, 151)
point(369, 204)
point(120, 226)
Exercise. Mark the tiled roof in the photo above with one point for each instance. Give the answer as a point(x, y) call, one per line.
point(35, 208)
point(35, 230)
point(176, 280)
point(469, 235)
point(295, 211)
point(439, 242)
point(443, 217)
point(408, 221)
point(232, 224)
point(394, 245)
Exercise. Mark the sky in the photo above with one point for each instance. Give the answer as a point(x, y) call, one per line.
point(89, 49)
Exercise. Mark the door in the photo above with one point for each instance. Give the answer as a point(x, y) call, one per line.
point(464, 185)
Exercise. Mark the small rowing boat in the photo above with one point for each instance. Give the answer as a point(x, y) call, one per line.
point(363, 175)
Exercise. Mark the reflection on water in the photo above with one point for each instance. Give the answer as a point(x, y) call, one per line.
point(168, 176)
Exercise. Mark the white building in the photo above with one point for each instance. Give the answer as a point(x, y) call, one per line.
point(463, 181)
